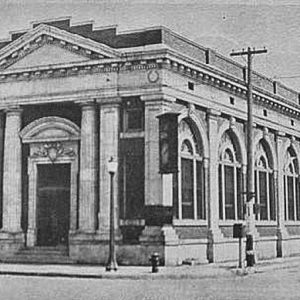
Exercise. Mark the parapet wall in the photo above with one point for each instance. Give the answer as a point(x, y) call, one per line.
point(226, 65)
point(161, 35)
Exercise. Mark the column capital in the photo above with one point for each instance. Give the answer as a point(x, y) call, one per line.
point(87, 106)
point(280, 134)
point(114, 100)
point(157, 97)
point(13, 109)
point(213, 113)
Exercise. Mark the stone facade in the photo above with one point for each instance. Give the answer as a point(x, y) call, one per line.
point(72, 97)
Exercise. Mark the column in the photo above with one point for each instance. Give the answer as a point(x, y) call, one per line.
point(214, 232)
point(88, 168)
point(279, 194)
point(12, 175)
point(109, 147)
point(206, 184)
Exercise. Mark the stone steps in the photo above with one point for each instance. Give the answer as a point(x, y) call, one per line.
point(40, 255)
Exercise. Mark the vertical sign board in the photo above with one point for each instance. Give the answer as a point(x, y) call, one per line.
point(168, 143)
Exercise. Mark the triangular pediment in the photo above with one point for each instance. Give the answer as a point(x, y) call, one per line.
point(47, 55)
point(47, 45)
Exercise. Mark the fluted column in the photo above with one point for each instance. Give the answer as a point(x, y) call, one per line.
point(88, 168)
point(109, 147)
point(12, 177)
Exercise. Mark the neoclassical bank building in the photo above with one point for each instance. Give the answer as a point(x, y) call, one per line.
point(72, 96)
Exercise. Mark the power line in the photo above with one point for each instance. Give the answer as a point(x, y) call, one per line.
point(286, 77)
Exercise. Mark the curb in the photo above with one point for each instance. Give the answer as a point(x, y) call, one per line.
point(114, 276)
point(213, 272)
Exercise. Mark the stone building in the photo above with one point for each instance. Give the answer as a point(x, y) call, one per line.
point(72, 96)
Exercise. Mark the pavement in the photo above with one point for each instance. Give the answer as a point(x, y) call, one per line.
point(201, 271)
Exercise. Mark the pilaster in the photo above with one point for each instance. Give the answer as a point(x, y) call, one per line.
point(12, 175)
point(88, 168)
point(109, 147)
point(158, 187)
point(279, 194)
point(214, 233)
point(206, 184)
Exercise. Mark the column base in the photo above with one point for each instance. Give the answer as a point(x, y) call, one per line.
point(214, 236)
point(282, 236)
point(10, 243)
point(31, 237)
point(162, 240)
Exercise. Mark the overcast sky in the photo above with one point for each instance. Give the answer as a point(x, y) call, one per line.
point(218, 24)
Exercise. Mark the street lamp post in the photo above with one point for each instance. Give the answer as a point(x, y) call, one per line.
point(112, 261)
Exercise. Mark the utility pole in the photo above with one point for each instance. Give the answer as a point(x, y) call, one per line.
point(249, 216)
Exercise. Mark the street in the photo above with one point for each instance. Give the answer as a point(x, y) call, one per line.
point(273, 284)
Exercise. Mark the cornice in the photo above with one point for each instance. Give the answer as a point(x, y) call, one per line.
point(159, 59)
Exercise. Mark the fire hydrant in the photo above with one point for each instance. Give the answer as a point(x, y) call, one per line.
point(154, 262)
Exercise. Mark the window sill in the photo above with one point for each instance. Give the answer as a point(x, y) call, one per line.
point(266, 223)
point(292, 223)
point(257, 223)
point(190, 222)
point(230, 222)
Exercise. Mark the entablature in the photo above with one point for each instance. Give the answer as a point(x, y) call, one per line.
point(159, 59)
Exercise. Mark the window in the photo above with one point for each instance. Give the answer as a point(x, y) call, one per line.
point(132, 178)
point(291, 187)
point(189, 198)
point(132, 117)
point(190, 85)
point(230, 181)
point(264, 184)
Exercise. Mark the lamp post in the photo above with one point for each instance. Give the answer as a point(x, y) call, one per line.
point(112, 261)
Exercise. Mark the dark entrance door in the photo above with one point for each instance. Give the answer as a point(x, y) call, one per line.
point(53, 204)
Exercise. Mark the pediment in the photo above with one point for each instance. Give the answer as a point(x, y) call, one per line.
point(50, 129)
point(47, 55)
point(47, 45)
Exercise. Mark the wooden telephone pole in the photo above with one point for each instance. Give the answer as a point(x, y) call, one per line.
point(249, 216)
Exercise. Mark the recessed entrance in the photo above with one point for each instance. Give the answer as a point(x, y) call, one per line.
point(53, 204)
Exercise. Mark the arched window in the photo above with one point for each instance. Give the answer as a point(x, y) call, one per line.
point(230, 180)
point(264, 184)
point(291, 186)
point(189, 202)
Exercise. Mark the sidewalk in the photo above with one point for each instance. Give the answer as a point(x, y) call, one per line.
point(130, 272)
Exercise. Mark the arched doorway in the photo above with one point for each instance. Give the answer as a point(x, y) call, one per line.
point(52, 175)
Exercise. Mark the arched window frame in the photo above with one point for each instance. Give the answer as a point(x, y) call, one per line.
point(291, 172)
point(190, 149)
point(228, 158)
point(263, 169)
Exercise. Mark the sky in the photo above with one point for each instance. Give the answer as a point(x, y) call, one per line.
point(218, 24)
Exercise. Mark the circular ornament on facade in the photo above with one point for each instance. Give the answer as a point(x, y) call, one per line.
point(153, 76)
